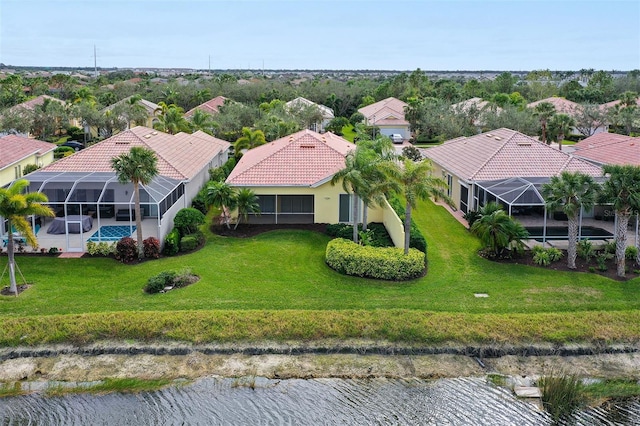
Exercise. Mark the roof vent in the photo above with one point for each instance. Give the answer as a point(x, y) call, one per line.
point(498, 138)
point(147, 136)
point(489, 135)
point(154, 133)
point(307, 146)
point(524, 143)
point(122, 142)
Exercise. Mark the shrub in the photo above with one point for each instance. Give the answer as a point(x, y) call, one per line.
point(184, 278)
point(555, 254)
point(217, 174)
point(610, 247)
point(172, 242)
point(126, 250)
point(30, 168)
point(631, 252)
point(545, 256)
point(151, 248)
point(376, 233)
point(562, 395)
point(187, 220)
point(412, 153)
point(471, 217)
point(601, 260)
point(387, 263)
point(158, 282)
point(102, 248)
point(188, 243)
point(53, 250)
point(199, 202)
point(585, 250)
point(63, 151)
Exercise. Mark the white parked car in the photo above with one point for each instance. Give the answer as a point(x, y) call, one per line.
point(396, 138)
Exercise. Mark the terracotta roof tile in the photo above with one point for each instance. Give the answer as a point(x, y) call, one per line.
point(561, 105)
point(32, 103)
point(304, 158)
point(504, 153)
point(383, 108)
point(180, 156)
point(610, 148)
point(210, 107)
point(14, 148)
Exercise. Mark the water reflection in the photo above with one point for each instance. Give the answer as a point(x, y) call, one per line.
point(213, 401)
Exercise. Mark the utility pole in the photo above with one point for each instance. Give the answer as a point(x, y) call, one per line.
point(95, 62)
point(209, 64)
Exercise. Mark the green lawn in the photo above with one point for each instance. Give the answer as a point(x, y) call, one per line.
point(276, 287)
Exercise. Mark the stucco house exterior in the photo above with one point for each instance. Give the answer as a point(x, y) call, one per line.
point(292, 178)
point(17, 152)
point(84, 185)
point(501, 165)
point(388, 116)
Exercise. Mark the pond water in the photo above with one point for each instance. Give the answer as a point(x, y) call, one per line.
point(249, 401)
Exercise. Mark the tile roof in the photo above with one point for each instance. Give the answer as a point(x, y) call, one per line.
point(504, 153)
point(383, 107)
point(32, 103)
point(562, 105)
point(326, 112)
point(304, 158)
point(210, 107)
point(611, 104)
point(610, 148)
point(14, 148)
point(149, 106)
point(180, 156)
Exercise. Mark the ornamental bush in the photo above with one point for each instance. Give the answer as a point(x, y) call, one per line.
point(151, 248)
point(188, 243)
point(126, 250)
point(102, 248)
point(377, 233)
point(158, 282)
point(172, 242)
point(387, 263)
point(188, 220)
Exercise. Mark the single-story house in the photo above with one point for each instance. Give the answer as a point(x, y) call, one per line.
point(30, 105)
point(501, 165)
point(149, 107)
point(325, 111)
point(292, 178)
point(570, 108)
point(388, 116)
point(83, 188)
point(210, 107)
point(609, 148)
point(17, 152)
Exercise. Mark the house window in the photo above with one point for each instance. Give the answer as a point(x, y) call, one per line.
point(464, 198)
point(449, 184)
point(344, 215)
point(18, 170)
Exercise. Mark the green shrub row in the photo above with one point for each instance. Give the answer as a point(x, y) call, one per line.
point(416, 239)
point(172, 242)
point(387, 263)
point(102, 248)
point(544, 256)
point(379, 237)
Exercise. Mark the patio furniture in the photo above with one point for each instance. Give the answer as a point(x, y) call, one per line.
point(58, 224)
point(122, 215)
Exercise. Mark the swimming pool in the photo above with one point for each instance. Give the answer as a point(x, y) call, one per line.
point(562, 233)
point(112, 233)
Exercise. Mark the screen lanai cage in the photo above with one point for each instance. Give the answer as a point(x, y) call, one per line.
point(98, 198)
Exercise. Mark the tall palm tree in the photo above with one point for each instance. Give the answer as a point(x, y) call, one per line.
point(15, 206)
point(570, 192)
point(416, 183)
point(222, 196)
point(200, 120)
point(171, 119)
point(544, 111)
point(246, 202)
point(249, 139)
point(354, 182)
point(561, 125)
point(138, 166)
point(622, 189)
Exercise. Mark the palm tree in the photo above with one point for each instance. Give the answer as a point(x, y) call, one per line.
point(497, 230)
point(138, 166)
point(170, 119)
point(354, 182)
point(246, 202)
point(629, 99)
point(416, 183)
point(571, 192)
point(222, 196)
point(200, 120)
point(561, 125)
point(15, 206)
point(249, 139)
point(622, 189)
point(544, 111)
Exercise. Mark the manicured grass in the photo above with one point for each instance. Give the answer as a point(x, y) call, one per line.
point(348, 133)
point(247, 281)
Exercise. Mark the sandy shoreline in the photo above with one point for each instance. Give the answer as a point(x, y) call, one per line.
point(322, 359)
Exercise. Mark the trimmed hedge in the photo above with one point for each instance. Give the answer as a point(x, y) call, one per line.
point(380, 236)
point(416, 239)
point(387, 263)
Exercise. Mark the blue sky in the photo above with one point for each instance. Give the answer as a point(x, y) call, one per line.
point(326, 34)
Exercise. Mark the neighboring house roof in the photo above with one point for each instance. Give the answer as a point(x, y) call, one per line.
point(148, 105)
point(327, 113)
point(305, 158)
point(504, 153)
point(384, 110)
point(210, 107)
point(478, 103)
point(15, 148)
point(32, 103)
point(562, 105)
point(610, 148)
point(180, 156)
point(611, 104)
